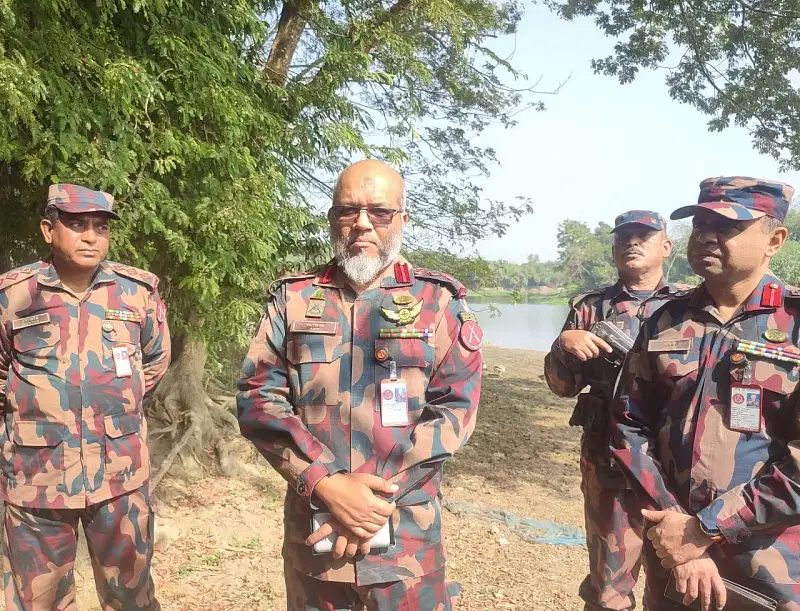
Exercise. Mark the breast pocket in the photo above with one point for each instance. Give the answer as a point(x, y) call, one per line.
point(121, 334)
point(314, 375)
point(414, 358)
point(777, 380)
point(38, 347)
point(123, 446)
point(37, 457)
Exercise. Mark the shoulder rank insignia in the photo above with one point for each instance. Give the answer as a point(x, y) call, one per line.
point(403, 316)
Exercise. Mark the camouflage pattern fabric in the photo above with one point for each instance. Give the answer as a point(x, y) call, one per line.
point(611, 510)
point(41, 544)
point(73, 433)
point(426, 593)
point(80, 200)
point(308, 400)
point(741, 198)
point(671, 435)
point(648, 218)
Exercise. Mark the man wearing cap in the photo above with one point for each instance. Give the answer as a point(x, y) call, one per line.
point(362, 380)
point(81, 341)
point(705, 425)
point(578, 359)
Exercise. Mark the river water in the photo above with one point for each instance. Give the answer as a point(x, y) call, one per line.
point(530, 326)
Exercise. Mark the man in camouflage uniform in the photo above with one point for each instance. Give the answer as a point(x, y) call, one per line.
point(579, 358)
point(702, 419)
point(318, 400)
point(81, 341)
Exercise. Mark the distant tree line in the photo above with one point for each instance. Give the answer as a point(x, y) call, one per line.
point(584, 261)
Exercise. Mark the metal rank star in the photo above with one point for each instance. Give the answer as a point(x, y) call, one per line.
point(403, 316)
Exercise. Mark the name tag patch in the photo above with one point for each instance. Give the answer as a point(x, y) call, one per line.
point(669, 345)
point(30, 321)
point(314, 326)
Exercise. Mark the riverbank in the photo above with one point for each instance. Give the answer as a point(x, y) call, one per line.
point(219, 540)
point(554, 297)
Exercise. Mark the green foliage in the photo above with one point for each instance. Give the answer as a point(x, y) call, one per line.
point(215, 153)
point(733, 60)
point(786, 264)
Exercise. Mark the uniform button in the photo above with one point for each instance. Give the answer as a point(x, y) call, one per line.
point(301, 488)
point(107, 326)
point(772, 285)
point(381, 354)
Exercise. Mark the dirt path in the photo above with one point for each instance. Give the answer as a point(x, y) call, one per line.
point(219, 540)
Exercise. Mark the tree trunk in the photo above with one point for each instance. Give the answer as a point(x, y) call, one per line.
point(290, 29)
point(187, 423)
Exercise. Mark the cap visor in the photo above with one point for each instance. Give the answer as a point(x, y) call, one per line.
point(735, 212)
point(629, 223)
point(110, 213)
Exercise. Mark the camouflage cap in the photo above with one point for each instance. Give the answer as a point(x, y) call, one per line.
point(741, 198)
point(80, 200)
point(640, 217)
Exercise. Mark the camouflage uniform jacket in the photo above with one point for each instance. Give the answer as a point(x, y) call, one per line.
point(73, 432)
point(566, 375)
point(671, 436)
point(308, 402)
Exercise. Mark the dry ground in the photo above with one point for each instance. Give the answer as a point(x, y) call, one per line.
point(219, 540)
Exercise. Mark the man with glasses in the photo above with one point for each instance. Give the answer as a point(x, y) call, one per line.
point(363, 378)
point(81, 341)
point(580, 358)
point(705, 423)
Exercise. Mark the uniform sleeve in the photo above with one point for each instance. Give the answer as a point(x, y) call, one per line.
point(451, 406)
point(634, 418)
point(156, 345)
point(5, 360)
point(266, 416)
point(769, 499)
point(564, 372)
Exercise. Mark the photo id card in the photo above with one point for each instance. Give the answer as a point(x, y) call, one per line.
point(122, 362)
point(744, 414)
point(394, 403)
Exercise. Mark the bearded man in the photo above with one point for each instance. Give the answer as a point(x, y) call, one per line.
point(363, 378)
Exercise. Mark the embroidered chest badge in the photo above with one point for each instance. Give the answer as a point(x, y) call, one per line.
point(403, 315)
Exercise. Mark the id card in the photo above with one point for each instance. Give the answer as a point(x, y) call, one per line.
point(122, 362)
point(383, 540)
point(394, 403)
point(744, 414)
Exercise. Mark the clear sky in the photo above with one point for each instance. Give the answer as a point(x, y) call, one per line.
point(601, 148)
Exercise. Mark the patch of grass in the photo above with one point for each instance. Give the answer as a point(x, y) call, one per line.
point(185, 571)
point(251, 543)
point(214, 559)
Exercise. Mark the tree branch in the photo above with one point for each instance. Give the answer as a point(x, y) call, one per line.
point(291, 24)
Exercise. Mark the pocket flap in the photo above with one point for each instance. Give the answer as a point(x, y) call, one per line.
point(39, 434)
point(122, 424)
point(776, 376)
point(313, 348)
point(36, 338)
point(406, 352)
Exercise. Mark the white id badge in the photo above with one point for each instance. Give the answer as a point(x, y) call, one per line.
point(745, 410)
point(384, 539)
point(122, 362)
point(394, 403)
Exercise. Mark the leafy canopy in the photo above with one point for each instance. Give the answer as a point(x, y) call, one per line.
point(217, 124)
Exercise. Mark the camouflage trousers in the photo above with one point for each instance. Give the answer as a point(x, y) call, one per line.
point(41, 545)
point(427, 593)
point(613, 530)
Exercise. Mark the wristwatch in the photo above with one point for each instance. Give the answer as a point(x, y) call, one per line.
point(716, 537)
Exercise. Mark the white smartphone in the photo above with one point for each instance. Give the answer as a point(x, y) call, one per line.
point(384, 539)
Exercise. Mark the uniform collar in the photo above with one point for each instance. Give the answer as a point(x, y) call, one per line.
point(619, 289)
point(769, 290)
point(48, 276)
point(332, 276)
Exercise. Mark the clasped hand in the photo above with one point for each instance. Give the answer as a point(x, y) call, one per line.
point(358, 512)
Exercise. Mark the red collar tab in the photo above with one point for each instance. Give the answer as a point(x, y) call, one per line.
point(462, 293)
point(401, 273)
point(327, 275)
point(772, 295)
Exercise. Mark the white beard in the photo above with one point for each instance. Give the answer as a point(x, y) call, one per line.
point(363, 269)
